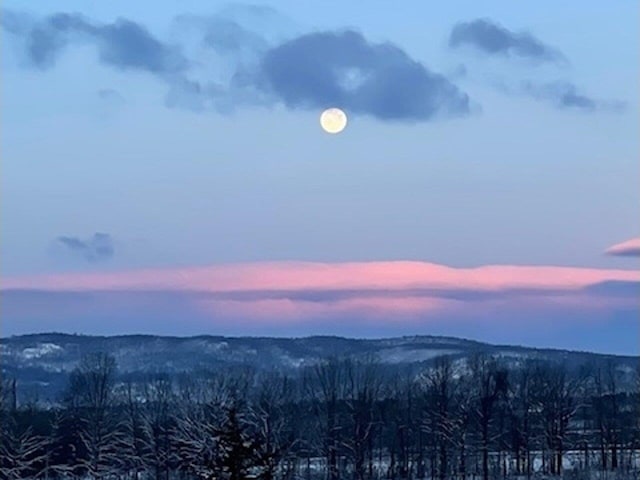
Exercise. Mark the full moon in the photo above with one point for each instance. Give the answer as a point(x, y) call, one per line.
point(333, 120)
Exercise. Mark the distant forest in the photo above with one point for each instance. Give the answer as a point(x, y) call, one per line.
point(337, 420)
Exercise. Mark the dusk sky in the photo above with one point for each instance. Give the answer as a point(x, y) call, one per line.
point(164, 171)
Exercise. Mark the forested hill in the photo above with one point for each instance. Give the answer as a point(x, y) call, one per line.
point(41, 362)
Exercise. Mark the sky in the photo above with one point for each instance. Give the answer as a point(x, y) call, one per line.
point(163, 170)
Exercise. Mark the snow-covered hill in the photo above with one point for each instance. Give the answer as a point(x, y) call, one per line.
point(41, 362)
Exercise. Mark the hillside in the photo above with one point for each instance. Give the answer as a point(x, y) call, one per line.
point(41, 362)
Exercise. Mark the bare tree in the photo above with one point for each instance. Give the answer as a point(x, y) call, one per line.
point(327, 390)
point(199, 415)
point(273, 430)
point(400, 414)
point(157, 424)
point(463, 417)
point(439, 417)
point(519, 409)
point(362, 392)
point(606, 406)
point(92, 393)
point(342, 419)
point(196, 437)
point(132, 445)
point(556, 401)
point(490, 383)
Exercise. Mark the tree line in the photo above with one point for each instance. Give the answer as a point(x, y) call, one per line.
point(337, 420)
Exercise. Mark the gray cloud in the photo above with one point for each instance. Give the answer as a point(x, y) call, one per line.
point(310, 71)
point(631, 252)
point(494, 39)
point(122, 44)
point(324, 69)
point(342, 68)
point(96, 248)
point(565, 95)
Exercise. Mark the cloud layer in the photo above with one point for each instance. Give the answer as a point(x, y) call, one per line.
point(305, 298)
point(494, 39)
point(552, 306)
point(300, 276)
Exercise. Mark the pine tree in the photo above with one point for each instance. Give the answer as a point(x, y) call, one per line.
point(237, 447)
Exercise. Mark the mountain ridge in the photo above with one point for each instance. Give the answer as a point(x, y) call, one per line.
point(402, 338)
point(41, 362)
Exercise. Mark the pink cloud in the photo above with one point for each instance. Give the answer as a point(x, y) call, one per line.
point(292, 295)
point(294, 298)
point(630, 248)
point(301, 276)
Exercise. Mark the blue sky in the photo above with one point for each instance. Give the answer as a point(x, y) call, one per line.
point(461, 153)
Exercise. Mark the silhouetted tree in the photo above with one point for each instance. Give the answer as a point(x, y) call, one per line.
point(91, 398)
point(489, 385)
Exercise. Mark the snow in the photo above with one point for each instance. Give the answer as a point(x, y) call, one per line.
point(406, 355)
point(41, 350)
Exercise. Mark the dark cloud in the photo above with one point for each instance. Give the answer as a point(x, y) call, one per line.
point(565, 95)
point(316, 70)
point(631, 252)
point(125, 44)
point(122, 44)
point(96, 248)
point(342, 68)
point(494, 39)
point(324, 69)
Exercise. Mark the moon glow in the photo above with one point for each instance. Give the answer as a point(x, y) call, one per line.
point(333, 120)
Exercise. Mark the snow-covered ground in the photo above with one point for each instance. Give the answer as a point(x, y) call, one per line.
point(41, 350)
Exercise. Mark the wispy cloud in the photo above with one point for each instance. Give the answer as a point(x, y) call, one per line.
point(629, 248)
point(494, 39)
point(565, 95)
point(96, 248)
